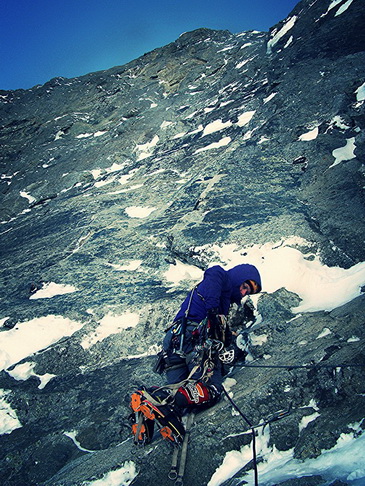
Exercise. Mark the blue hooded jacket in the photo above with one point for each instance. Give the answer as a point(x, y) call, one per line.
point(219, 289)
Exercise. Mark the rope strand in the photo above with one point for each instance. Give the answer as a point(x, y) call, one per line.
point(254, 455)
point(313, 366)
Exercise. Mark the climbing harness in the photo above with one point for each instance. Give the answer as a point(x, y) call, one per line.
point(176, 474)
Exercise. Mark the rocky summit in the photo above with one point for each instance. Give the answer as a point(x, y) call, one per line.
point(119, 188)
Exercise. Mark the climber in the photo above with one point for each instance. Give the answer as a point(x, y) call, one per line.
point(194, 349)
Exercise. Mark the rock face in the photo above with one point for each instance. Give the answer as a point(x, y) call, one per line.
point(112, 181)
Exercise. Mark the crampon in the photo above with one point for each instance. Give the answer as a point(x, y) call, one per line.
point(147, 410)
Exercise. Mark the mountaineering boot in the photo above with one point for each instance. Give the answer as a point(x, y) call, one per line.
point(151, 405)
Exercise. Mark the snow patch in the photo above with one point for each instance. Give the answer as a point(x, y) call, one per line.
point(353, 339)
point(93, 134)
point(29, 337)
point(110, 324)
point(209, 109)
point(209, 185)
point(181, 271)
point(307, 420)
point(228, 48)
point(72, 435)
point(245, 118)
point(343, 8)
point(345, 461)
point(145, 150)
point(139, 212)
point(325, 332)
point(125, 177)
point(84, 135)
point(105, 182)
point(338, 122)
point(360, 93)
point(229, 383)
point(51, 289)
point(269, 98)
point(24, 371)
point(197, 130)
point(235, 460)
point(242, 63)
point(59, 134)
point(115, 168)
point(344, 153)
point(8, 178)
point(311, 135)
point(320, 287)
point(30, 198)
point(166, 124)
point(129, 267)
point(96, 173)
point(179, 135)
point(151, 351)
point(216, 126)
point(288, 42)
point(248, 134)
point(221, 143)
point(122, 191)
point(120, 477)
point(258, 340)
point(277, 35)
point(334, 4)
point(8, 417)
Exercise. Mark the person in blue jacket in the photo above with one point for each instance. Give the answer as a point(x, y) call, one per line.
point(205, 310)
point(195, 347)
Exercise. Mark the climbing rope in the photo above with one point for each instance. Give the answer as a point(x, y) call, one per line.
point(256, 474)
point(282, 413)
point(273, 418)
point(309, 366)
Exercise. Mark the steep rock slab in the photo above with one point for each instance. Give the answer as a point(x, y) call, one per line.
point(115, 182)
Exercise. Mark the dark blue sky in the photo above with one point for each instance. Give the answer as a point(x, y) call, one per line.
point(42, 39)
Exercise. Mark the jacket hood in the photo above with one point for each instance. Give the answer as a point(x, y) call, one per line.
point(238, 275)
